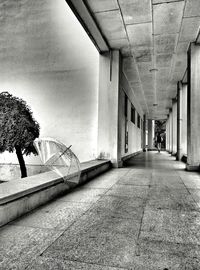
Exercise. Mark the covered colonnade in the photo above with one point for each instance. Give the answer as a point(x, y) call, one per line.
point(149, 55)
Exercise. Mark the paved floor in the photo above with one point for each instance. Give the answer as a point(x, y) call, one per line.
point(144, 216)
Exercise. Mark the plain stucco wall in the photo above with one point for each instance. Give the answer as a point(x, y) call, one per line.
point(134, 133)
point(184, 120)
point(48, 60)
point(174, 119)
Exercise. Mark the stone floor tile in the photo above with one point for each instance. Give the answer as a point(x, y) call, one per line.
point(171, 225)
point(165, 172)
point(19, 246)
point(162, 197)
point(129, 191)
point(108, 179)
point(135, 179)
point(183, 202)
point(119, 206)
point(193, 182)
point(96, 221)
point(110, 249)
point(168, 181)
point(195, 193)
point(165, 255)
point(45, 263)
point(82, 194)
point(57, 215)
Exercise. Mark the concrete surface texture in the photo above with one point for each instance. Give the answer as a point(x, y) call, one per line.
point(151, 35)
point(143, 216)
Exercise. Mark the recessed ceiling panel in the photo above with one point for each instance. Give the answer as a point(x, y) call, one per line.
point(144, 67)
point(102, 5)
point(165, 43)
point(129, 64)
point(182, 47)
point(140, 34)
point(142, 55)
point(192, 8)
point(132, 76)
point(111, 24)
point(189, 29)
point(136, 11)
point(163, 60)
point(167, 17)
point(164, 1)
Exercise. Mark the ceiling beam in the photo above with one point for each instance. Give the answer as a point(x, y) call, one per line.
point(84, 16)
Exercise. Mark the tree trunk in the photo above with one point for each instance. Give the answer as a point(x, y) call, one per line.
point(21, 161)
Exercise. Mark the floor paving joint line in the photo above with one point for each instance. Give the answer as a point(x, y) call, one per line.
point(190, 193)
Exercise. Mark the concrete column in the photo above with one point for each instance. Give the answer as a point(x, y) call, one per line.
point(170, 131)
point(179, 121)
point(184, 121)
point(108, 109)
point(144, 133)
point(174, 127)
point(193, 108)
point(150, 134)
point(167, 134)
point(153, 133)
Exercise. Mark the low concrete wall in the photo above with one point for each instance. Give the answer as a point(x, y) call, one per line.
point(20, 196)
point(127, 157)
point(9, 172)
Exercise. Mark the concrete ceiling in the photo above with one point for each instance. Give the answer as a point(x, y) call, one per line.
point(153, 36)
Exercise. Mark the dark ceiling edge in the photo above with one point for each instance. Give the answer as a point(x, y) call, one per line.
point(94, 19)
point(70, 4)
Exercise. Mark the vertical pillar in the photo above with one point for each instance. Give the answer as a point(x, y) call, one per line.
point(179, 121)
point(108, 107)
point(184, 121)
point(153, 133)
point(170, 131)
point(193, 108)
point(150, 134)
point(167, 134)
point(144, 133)
point(174, 127)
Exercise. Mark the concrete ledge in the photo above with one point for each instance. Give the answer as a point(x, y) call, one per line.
point(131, 155)
point(23, 195)
point(173, 154)
point(193, 168)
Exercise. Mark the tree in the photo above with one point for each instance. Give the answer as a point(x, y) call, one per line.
point(18, 128)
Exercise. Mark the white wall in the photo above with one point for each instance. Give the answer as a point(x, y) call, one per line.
point(48, 60)
point(134, 133)
point(184, 120)
point(174, 120)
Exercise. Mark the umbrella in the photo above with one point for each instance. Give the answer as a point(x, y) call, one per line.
point(59, 158)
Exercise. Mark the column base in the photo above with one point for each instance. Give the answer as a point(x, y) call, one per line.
point(190, 167)
point(118, 164)
point(173, 154)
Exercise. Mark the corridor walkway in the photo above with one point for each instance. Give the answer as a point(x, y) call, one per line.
point(144, 216)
